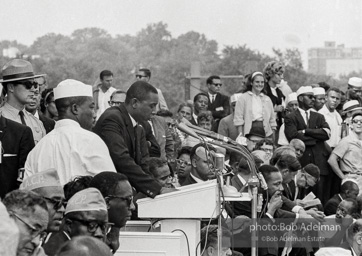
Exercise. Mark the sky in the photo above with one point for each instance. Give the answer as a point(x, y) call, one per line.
point(260, 24)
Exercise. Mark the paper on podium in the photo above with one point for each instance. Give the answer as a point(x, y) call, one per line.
point(192, 201)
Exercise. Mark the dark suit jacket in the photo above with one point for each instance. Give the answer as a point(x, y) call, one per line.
point(17, 141)
point(153, 147)
point(115, 127)
point(55, 241)
point(220, 101)
point(47, 122)
point(330, 207)
point(314, 138)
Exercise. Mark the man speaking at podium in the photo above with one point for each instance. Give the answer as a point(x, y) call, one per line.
point(202, 167)
point(118, 127)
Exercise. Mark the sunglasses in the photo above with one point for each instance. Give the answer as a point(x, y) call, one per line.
point(357, 121)
point(57, 203)
point(140, 76)
point(93, 225)
point(128, 199)
point(29, 84)
point(217, 84)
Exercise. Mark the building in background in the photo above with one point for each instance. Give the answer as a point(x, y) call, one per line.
point(334, 60)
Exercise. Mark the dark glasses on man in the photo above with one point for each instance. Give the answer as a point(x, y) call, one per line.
point(57, 203)
point(93, 225)
point(28, 84)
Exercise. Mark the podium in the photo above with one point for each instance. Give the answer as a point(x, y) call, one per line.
point(181, 211)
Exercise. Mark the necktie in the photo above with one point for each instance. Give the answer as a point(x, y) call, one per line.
point(213, 99)
point(21, 114)
point(307, 117)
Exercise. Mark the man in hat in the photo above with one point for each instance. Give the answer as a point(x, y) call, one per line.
point(71, 148)
point(144, 74)
point(19, 83)
point(354, 88)
point(306, 178)
point(320, 98)
point(255, 134)
point(47, 185)
point(202, 167)
point(85, 215)
point(30, 213)
point(346, 158)
point(117, 192)
point(292, 104)
point(118, 127)
point(218, 103)
point(313, 130)
point(349, 108)
point(226, 125)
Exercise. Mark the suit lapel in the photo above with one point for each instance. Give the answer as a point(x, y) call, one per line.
point(300, 118)
point(129, 125)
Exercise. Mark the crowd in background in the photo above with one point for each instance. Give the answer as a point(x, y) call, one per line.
point(76, 158)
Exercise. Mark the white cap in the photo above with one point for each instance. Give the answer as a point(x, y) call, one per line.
point(319, 91)
point(304, 90)
point(355, 81)
point(72, 88)
point(350, 105)
point(291, 97)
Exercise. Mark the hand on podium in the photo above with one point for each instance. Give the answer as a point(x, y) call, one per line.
point(167, 190)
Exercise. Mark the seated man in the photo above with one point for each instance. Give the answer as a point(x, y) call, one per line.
point(47, 185)
point(9, 233)
point(117, 191)
point(299, 147)
point(306, 178)
point(349, 189)
point(85, 214)
point(202, 166)
point(84, 246)
point(209, 241)
point(29, 210)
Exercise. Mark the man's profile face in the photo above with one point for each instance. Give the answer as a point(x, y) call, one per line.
point(202, 165)
point(163, 175)
point(87, 115)
point(52, 196)
point(80, 222)
point(305, 180)
point(38, 219)
point(308, 100)
point(141, 76)
point(333, 99)
point(144, 109)
point(319, 101)
point(107, 82)
point(119, 211)
point(275, 183)
point(201, 103)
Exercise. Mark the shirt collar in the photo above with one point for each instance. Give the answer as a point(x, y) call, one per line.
point(303, 111)
point(211, 95)
point(11, 109)
point(260, 94)
point(196, 179)
point(66, 122)
point(134, 123)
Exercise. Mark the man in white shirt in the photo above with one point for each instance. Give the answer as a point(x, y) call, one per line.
point(334, 120)
point(104, 92)
point(71, 148)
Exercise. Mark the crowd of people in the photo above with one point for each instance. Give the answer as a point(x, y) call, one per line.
point(76, 158)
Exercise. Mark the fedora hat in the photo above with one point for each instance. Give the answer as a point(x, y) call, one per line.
point(256, 131)
point(17, 69)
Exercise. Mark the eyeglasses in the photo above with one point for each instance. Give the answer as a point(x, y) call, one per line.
point(57, 203)
point(33, 230)
point(28, 84)
point(114, 103)
point(140, 76)
point(182, 162)
point(93, 225)
point(310, 182)
point(128, 199)
point(217, 84)
point(357, 121)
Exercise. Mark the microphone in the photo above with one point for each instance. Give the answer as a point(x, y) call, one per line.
point(210, 134)
point(262, 181)
point(183, 127)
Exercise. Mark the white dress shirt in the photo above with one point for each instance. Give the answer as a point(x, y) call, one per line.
point(103, 98)
point(334, 121)
point(71, 150)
